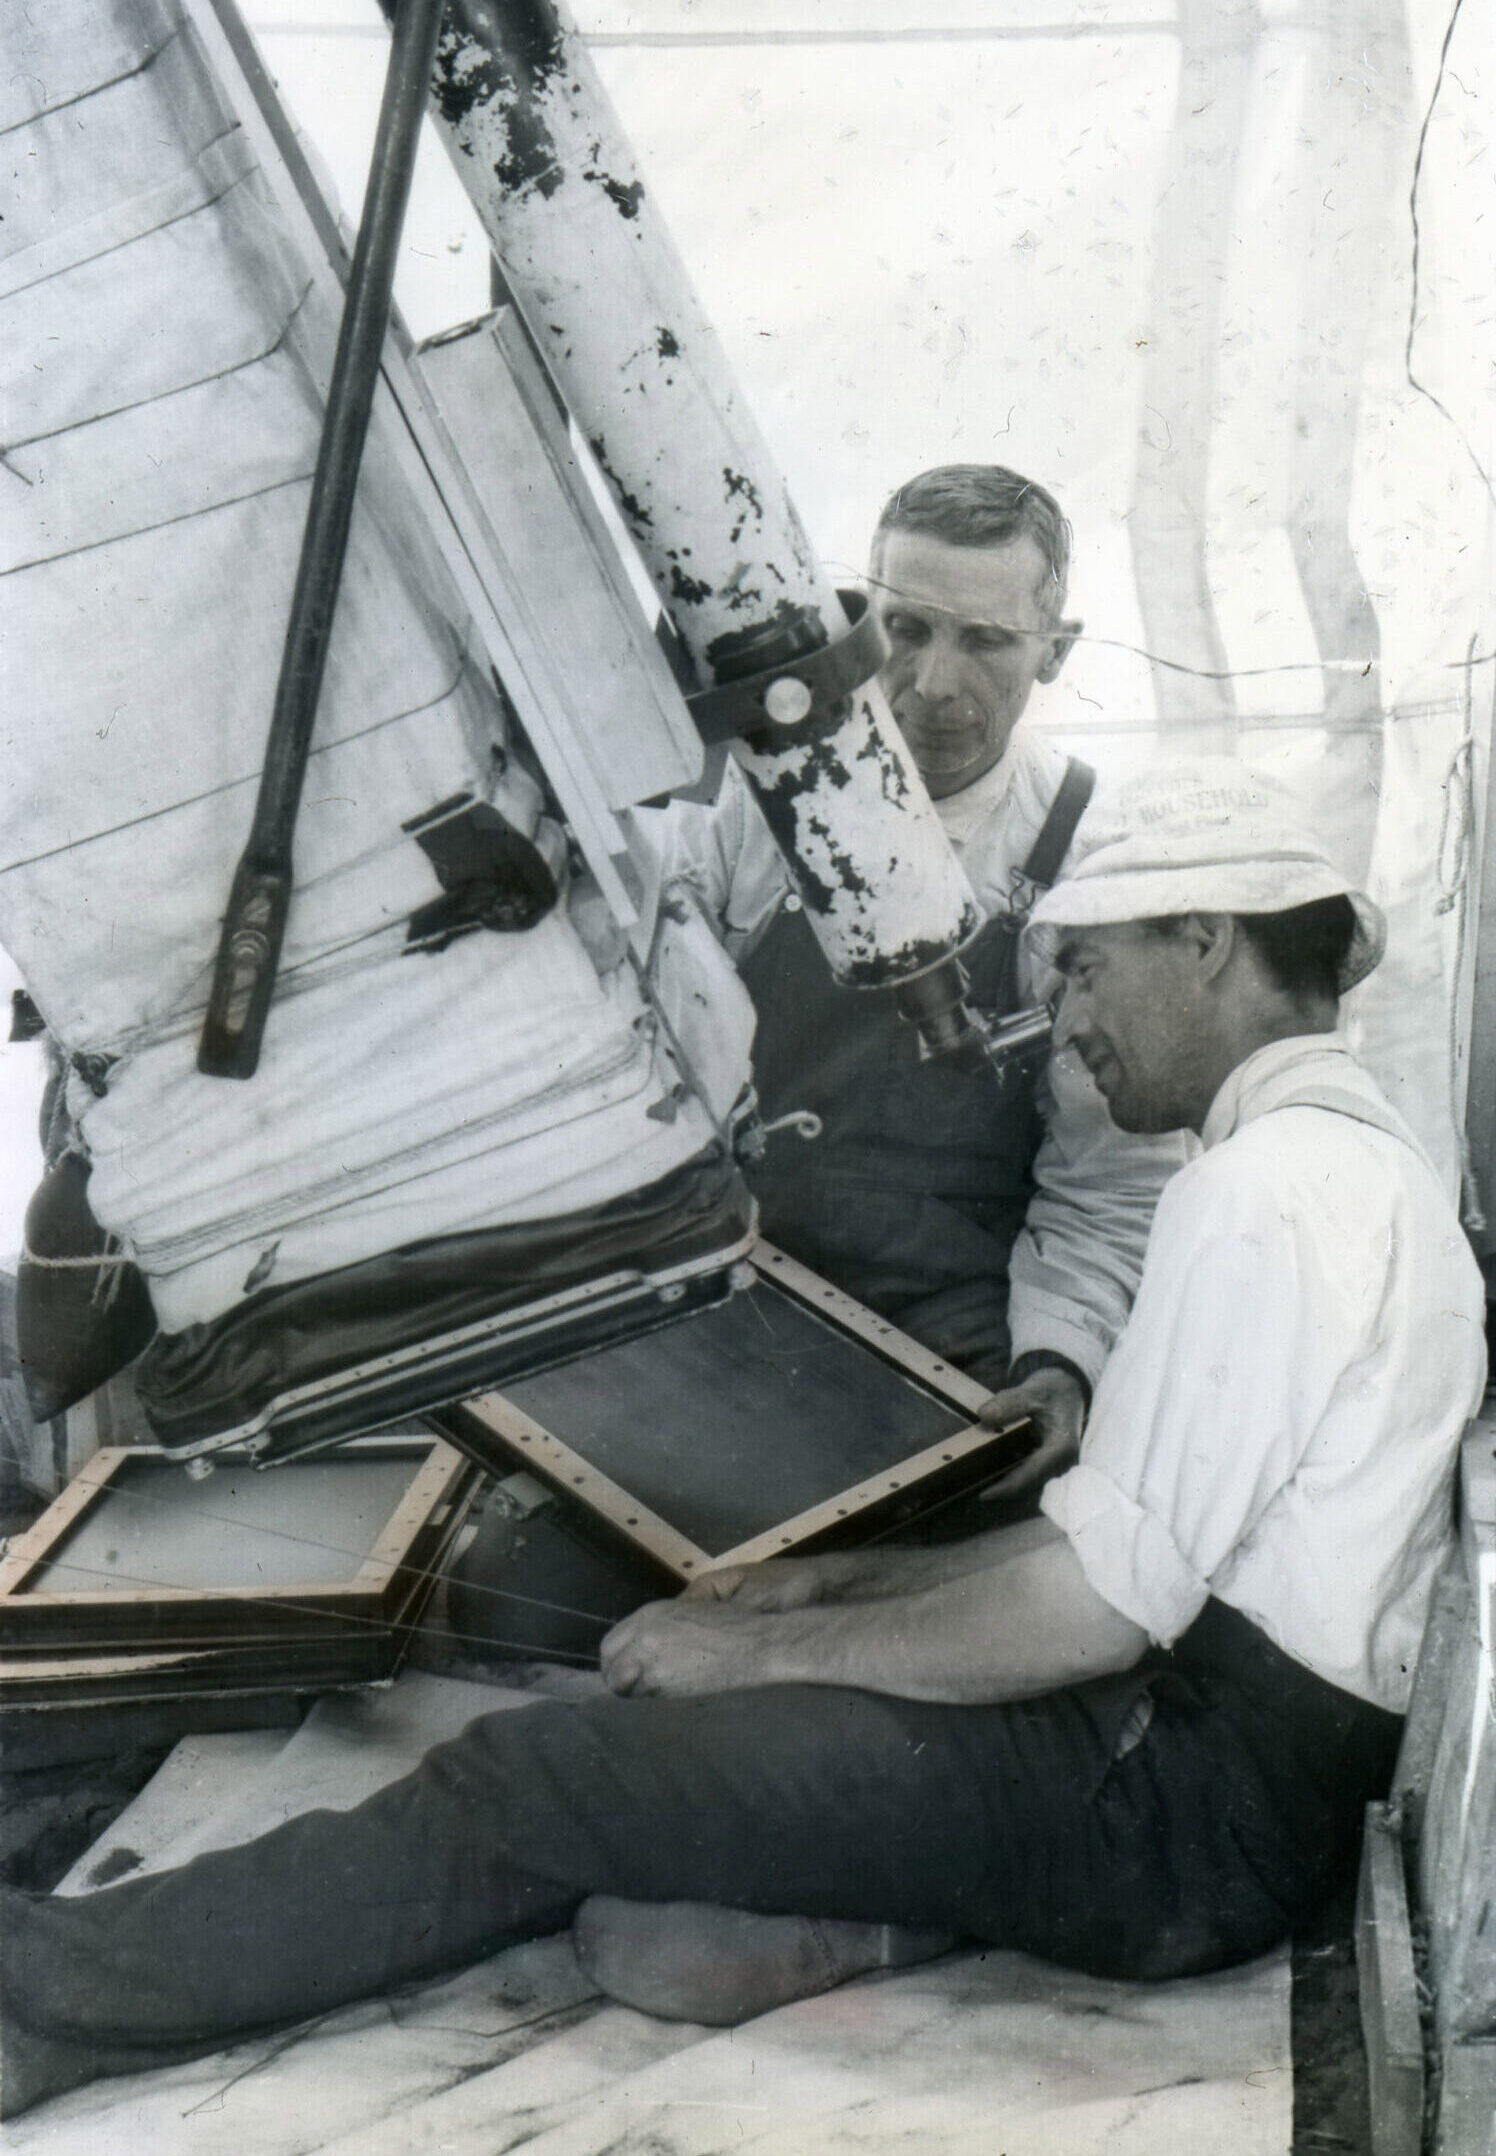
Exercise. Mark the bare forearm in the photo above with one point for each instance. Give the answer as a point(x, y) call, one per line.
point(868, 1575)
point(1026, 1622)
point(889, 1572)
point(987, 1635)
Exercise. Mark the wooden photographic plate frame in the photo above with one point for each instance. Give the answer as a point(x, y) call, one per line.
point(542, 1427)
point(366, 1594)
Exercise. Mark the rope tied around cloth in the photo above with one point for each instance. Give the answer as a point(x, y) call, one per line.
point(108, 1263)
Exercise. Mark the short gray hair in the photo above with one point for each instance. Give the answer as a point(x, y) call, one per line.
point(982, 505)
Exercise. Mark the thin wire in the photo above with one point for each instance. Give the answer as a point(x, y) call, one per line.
point(919, 34)
point(247, 1598)
point(396, 1626)
point(1139, 651)
point(1423, 134)
point(1107, 643)
point(217, 374)
point(731, 40)
point(278, 2049)
point(250, 1600)
point(96, 89)
point(462, 657)
point(433, 1573)
point(335, 1549)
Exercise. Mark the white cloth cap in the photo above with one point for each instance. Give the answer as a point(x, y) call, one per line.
point(1209, 836)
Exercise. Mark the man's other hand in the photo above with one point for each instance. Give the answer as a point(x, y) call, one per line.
point(1055, 1403)
point(685, 1646)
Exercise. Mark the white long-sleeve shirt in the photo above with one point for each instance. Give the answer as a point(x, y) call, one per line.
point(1076, 1264)
point(1279, 1423)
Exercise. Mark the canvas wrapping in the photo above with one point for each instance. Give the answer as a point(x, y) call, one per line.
point(167, 356)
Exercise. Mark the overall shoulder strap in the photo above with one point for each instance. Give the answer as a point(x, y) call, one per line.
point(1053, 843)
point(1341, 1100)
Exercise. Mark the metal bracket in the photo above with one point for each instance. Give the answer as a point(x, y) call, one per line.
point(801, 696)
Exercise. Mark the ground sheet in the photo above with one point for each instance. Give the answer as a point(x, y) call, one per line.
point(992, 2054)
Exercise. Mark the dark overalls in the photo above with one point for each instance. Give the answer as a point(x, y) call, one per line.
point(914, 1193)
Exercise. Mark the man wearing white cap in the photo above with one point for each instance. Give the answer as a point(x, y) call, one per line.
point(1135, 1735)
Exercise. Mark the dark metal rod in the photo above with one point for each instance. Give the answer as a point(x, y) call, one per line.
point(255, 921)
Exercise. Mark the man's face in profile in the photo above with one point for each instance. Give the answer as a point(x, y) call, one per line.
point(971, 629)
point(1130, 1010)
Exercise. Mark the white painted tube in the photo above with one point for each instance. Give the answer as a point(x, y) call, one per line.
point(596, 275)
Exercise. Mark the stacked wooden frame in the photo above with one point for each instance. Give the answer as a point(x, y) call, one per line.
point(84, 1622)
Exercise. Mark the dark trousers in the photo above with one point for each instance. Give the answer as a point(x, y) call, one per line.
point(1170, 1820)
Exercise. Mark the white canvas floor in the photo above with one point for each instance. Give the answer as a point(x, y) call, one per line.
point(988, 2053)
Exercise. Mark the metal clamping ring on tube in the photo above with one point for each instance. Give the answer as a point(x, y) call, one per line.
point(787, 701)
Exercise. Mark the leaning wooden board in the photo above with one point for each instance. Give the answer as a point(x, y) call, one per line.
point(1429, 1866)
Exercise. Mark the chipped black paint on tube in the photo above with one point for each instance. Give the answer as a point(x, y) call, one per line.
point(516, 94)
point(778, 639)
point(813, 766)
point(625, 195)
point(848, 874)
point(504, 61)
point(921, 955)
point(689, 590)
point(893, 773)
point(778, 805)
point(630, 504)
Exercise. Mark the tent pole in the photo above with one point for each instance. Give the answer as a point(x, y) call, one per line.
point(255, 920)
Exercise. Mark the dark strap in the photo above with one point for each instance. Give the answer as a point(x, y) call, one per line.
point(1065, 812)
point(491, 875)
point(1341, 1100)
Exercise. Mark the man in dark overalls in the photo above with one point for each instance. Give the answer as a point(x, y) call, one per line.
point(1003, 1226)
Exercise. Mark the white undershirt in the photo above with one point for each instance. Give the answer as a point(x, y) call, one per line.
point(1279, 1421)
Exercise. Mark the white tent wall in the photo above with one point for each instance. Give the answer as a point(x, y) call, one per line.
point(1161, 259)
point(1160, 256)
